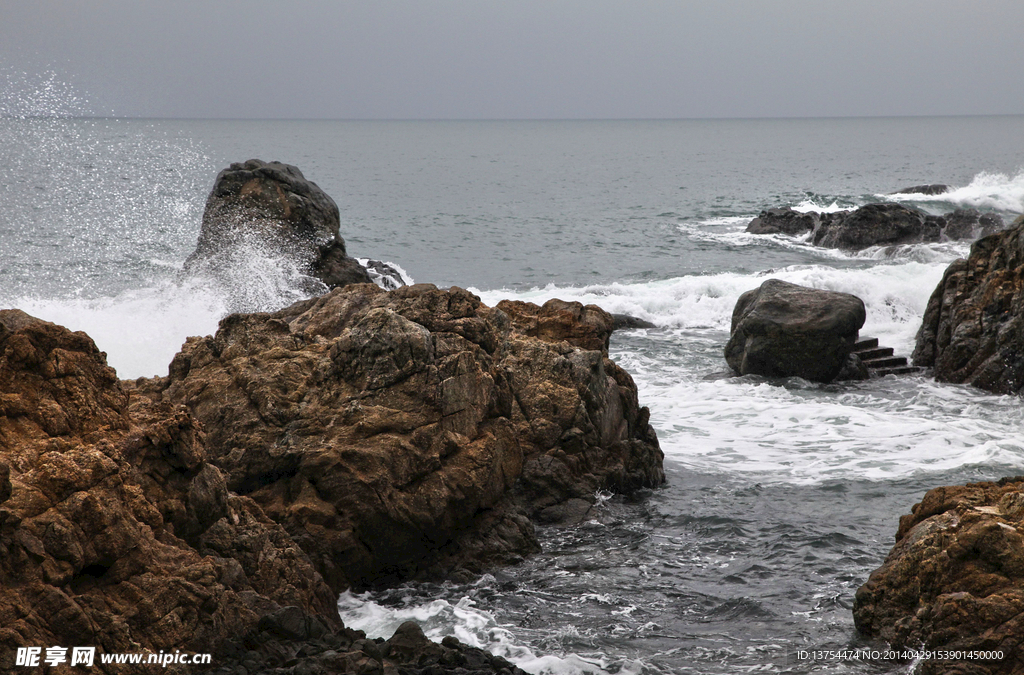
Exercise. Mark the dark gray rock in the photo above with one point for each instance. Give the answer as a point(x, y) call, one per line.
point(784, 330)
point(933, 189)
point(271, 207)
point(384, 275)
point(876, 225)
point(783, 220)
point(625, 322)
point(971, 224)
point(973, 326)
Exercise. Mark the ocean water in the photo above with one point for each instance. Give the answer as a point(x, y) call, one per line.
point(782, 496)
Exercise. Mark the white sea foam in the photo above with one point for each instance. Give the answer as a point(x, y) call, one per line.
point(472, 626)
point(895, 296)
point(808, 205)
point(800, 432)
point(998, 191)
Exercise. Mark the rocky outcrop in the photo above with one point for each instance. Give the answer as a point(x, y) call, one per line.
point(954, 580)
point(414, 432)
point(271, 209)
point(115, 531)
point(931, 189)
point(973, 326)
point(886, 224)
point(783, 220)
point(784, 330)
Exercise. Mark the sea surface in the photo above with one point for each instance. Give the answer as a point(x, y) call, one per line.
point(782, 496)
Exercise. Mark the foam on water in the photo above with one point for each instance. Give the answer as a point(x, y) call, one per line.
point(996, 191)
point(895, 296)
point(797, 431)
point(472, 626)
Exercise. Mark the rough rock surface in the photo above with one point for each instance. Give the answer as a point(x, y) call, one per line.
point(875, 225)
point(414, 432)
point(115, 531)
point(784, 330)
point(973, 326)
point(271, 207)
point(955, 579)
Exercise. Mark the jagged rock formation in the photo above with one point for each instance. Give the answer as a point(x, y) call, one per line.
point(414, 432)
point(875, 225)
point(784, 330)
point(270, 206)
point(115, 531)
point(954, 580)
point(973, 326)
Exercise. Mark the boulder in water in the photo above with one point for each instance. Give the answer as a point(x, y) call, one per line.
point(270, 209)
point(973, 326)
point(784, 330)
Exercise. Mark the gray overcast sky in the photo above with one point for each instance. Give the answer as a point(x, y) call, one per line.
point(525, 58)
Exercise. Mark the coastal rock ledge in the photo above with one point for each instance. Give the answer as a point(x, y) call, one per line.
point(954, 581)
point(973, 326)
point(356, 439)
point(415, 433)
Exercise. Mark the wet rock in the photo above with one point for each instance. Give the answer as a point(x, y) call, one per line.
point(384, 275)
point(783, 220)
point(414, 432)
point(627, 322)
point(270, 209)
point(115, 531)
point(886, 224)
point(954, 580)
point(932, 189)
point(784, 330)
point(876, 225)
point(973, 326)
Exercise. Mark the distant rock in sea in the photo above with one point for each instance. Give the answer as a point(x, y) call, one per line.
point(932, 189)
point(883, 224)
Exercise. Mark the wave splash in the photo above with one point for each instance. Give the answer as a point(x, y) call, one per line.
point(995, 191)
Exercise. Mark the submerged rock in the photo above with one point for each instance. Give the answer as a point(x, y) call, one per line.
point(784, 330)
point(973, 326)
point(414, 432)
point(270, 209)
point(954, 581)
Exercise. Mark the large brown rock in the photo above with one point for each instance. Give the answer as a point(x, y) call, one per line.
point(270, 208)
point(784, 330)
point(414, 432)
point(973, 326)
point(954, 580)
point(115, 531)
